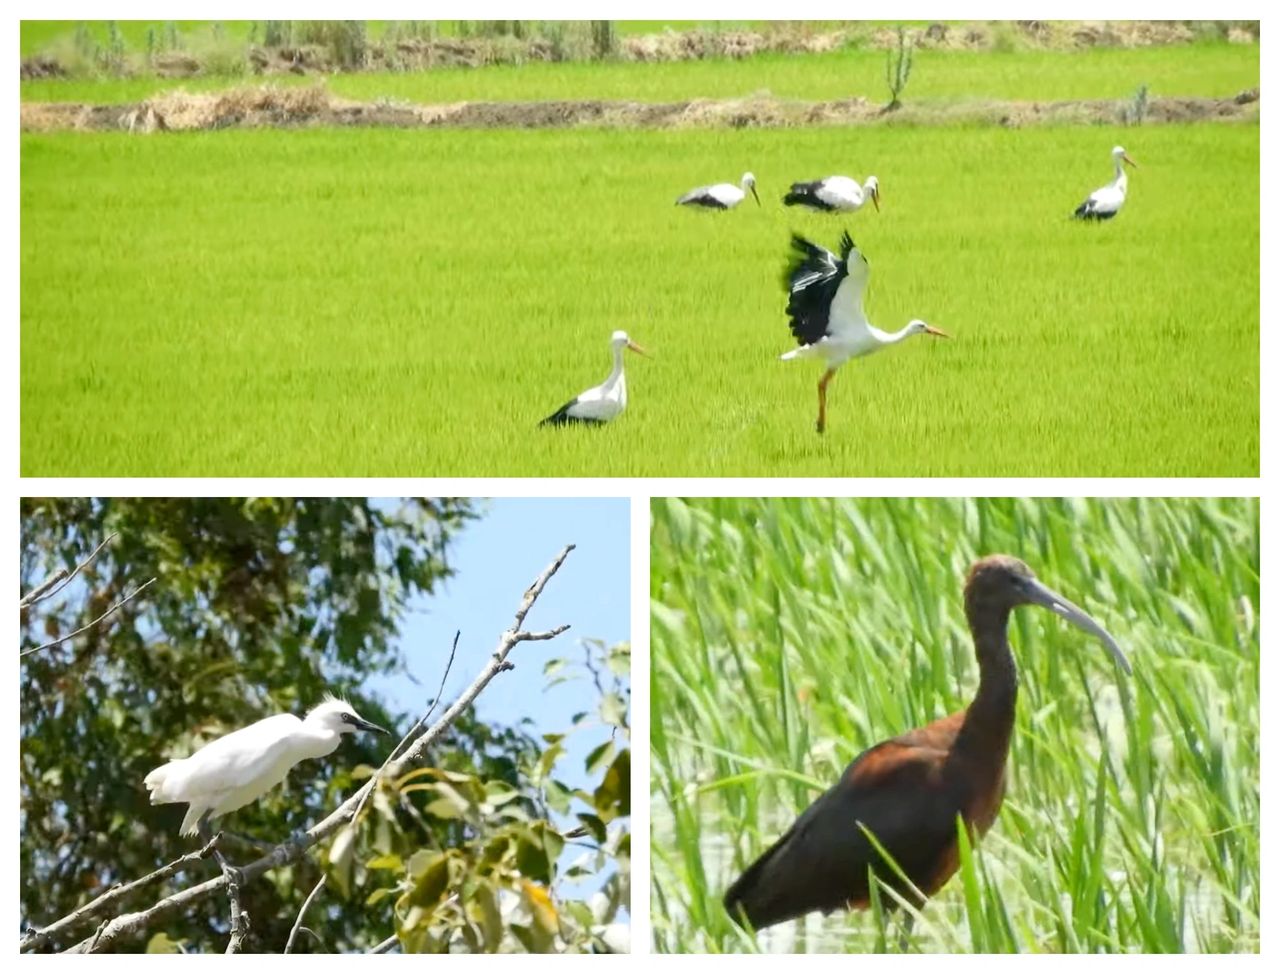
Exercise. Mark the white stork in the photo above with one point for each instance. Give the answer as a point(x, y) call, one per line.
point(721, 196)
point(605, 401)
point(825, 307)
point(835, 193)
point(1105, 203)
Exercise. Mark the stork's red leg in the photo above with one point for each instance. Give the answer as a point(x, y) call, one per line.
point(822, 398)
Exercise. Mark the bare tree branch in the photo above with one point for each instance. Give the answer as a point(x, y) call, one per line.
point(87, 627)
point(41, 591)
point(294, 848)
point(35, 939)
point(239, 919)
point(297, 924)
point(386, 945)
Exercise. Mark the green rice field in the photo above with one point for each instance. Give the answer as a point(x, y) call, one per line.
point(789, 635)
point(387, 302)
point(1215, 70)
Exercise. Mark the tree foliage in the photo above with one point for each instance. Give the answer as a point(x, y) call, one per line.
point(259, 606)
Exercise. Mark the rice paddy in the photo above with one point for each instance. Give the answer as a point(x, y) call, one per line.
point(787, 635)
point(385, 302)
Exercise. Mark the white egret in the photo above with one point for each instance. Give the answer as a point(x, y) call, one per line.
point(242, 766)
point(1105, 203)
point(604, 402)
point(721, 196)
point(825, 307)
point(834, 193)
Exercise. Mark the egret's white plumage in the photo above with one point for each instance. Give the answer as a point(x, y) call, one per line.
point(721, 196)
point(1105, 203)
point(825, 307)
point(604, 402)
point(834, 194)
point(242, 766)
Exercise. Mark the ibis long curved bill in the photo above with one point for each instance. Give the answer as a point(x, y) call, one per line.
point(1041, 594)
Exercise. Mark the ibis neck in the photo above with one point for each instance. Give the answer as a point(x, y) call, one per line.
point(988, 722)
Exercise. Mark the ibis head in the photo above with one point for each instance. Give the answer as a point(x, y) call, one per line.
point(1002, 583)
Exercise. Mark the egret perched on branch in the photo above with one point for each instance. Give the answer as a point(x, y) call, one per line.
point(244, 765)
point(604, 402)
point(834, 193)
point(825, 308)
point(721, 196)
point(1105, 203)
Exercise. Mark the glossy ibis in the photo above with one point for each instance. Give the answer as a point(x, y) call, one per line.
point(834, 194)
point(908, 791)
point(1105, 203)
point(825, 307)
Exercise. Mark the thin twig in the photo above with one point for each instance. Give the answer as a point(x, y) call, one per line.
point(297, 924)
point(38, 938)
point(294, 848)
point(41, 591)
point(385, 946)
point(412, 730)
point(86, 628)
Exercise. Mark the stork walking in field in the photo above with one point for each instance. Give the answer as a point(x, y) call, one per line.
point(721, 196)
point(1105, 203)
point(834, 194)
point(605, 401)
point(825, 308)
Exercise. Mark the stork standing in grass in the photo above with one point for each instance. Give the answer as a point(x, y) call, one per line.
point(605, 401)
point(1105, 203)
point(721, 196)
point(835, 194)
point(825, 308)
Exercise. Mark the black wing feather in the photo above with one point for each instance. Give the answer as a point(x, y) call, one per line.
point(561, 417)
point(806, 194)
point(812, 278)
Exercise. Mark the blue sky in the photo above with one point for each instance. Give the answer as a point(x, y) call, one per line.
point(495, 558)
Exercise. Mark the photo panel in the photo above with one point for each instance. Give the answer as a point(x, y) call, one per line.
point(325, 724)
point(955, 725)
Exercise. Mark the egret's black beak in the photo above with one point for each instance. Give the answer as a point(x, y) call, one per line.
point(367, 725)
point(755, 194)
point(1040, 594)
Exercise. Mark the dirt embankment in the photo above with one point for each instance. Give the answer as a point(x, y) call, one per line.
point(420, 53)
point(267, 106)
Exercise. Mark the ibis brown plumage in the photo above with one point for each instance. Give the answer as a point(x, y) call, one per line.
point(909, 791)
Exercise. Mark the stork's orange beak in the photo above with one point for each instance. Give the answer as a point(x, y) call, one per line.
point(637, 349)
point(936, 332)
point(1126, 158)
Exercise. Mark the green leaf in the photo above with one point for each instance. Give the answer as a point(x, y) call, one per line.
point(595, 825)
point(613, 710)
point(161, 943)
point(613, 797)
point(342, 854)
point(599, 758)
point(391, 861)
